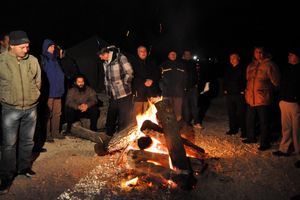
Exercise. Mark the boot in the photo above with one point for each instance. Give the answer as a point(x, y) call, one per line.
point(59, 136)
point(49, 138)
point(5, 185)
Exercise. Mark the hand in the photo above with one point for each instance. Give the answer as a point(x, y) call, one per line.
point(83, 107)
point(148, 82)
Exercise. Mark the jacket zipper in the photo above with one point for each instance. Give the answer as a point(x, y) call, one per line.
point(21, 84)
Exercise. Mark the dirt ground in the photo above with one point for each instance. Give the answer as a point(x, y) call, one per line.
point(70, 169)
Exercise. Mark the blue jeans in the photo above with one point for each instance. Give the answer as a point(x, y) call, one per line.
point(18, 127)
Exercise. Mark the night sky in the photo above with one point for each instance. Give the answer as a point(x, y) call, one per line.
point(211, 28)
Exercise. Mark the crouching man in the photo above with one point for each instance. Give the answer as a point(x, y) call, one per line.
point(81, 102)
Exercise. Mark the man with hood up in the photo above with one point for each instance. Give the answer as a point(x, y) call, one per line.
point(118, 75)
point(55, 82)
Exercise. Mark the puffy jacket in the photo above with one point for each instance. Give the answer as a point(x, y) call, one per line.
point(20, 81)
point(262, 78)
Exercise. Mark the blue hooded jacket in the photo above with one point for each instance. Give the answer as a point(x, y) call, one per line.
point(53, 71)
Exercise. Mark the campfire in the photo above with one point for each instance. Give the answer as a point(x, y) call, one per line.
point(155, 147)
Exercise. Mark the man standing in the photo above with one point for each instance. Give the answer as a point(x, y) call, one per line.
point(118, 75)
point(234, 84)
point(173, 82)
point(190, 111)
point(289, 95)
point(262, 78)
point(56, 81)
point(145, 82)
point(81, 101)
point(20, 82)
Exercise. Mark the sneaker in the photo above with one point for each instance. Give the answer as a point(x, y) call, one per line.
point(249, 141)
point(280, 153)
point(264, 147)
point(5, 185)
point(39, 150)
point(27, 172)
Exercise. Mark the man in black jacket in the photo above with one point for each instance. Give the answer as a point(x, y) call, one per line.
point(234, 84)
point(173, 82)
point(145, 81)
point(289, 96)
point(190, 98)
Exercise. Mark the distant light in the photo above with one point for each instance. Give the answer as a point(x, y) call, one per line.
point(195, 57)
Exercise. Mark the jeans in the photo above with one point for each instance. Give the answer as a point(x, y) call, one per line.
point(18, 127)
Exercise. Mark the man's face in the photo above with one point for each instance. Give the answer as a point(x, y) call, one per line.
point(104, 56)
point(20, 50)
point(5, 41)
point(51, 48)
point(172, 55)
point(142, 53)
point(234, 59)
point(293, 58)
point(258, 53)
point(187, 55)
point(80, 82)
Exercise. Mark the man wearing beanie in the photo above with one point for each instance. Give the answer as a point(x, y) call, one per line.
point(20, 81)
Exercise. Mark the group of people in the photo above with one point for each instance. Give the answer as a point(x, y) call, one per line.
point(28, 85)
point(253, 91)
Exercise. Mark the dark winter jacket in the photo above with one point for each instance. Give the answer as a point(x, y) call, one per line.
point(289, 84)
point(143, 70)
point(173, 79)
point(75, 97)
point(192, 79)
point(54, 73)
point(234, 81)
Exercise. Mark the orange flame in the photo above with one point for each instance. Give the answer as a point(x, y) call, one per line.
point(131, 182)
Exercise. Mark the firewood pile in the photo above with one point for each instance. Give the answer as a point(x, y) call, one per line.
point(160, 150)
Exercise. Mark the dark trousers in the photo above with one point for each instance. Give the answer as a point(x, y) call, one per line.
point(204, 101)
point(190, 106)
point(73, 115)
point(263, 114)
point(118, 114)
point(236, 108)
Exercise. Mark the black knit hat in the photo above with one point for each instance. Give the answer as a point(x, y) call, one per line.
point(18, 37)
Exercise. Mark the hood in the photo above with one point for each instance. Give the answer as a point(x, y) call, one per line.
point(46, 44)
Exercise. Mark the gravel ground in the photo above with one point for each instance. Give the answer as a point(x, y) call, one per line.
point(71, 170)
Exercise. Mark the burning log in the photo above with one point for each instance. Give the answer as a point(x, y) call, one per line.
point(151, 126)
point(166, 116)
point(157, 165)
point(122, 139)
point(198, 165)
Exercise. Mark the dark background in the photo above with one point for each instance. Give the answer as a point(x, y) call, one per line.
point(210, 28)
